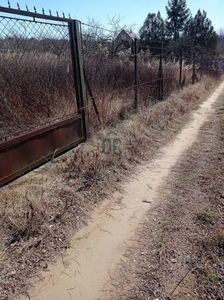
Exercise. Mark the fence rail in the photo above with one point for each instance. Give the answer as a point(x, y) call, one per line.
point(42, 91)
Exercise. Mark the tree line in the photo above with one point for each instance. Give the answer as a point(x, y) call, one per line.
point(181, 35)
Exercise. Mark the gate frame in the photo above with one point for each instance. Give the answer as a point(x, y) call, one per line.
point(19, 155)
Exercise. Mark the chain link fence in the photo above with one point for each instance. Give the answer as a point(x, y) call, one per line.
point(117, 71)
point(123, 78)
point(110, 75)
point(36, 75)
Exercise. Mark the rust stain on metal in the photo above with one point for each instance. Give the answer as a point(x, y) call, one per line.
point(23, 153)
point(27, 151)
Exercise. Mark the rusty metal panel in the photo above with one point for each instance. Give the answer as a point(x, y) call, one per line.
point(23, 153)
point(27, 151)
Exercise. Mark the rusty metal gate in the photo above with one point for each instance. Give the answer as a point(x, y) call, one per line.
point(42, 91)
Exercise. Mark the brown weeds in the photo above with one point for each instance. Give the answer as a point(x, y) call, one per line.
point(40, 211)
point(112, 83)
point(34, 89)
point(180, 256)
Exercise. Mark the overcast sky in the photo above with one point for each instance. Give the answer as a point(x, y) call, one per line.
point(132, 11)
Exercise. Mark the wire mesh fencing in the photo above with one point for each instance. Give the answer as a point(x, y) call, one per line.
point(110, 75)
point(36, 75)
point(116, 72)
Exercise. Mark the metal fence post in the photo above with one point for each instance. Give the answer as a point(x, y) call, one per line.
point(194, 72)
point(160, 75)
point(78, 73)
point(181, 66)
point(136, 77)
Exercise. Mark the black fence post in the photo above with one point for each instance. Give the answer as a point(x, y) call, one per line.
point(136, 76)
point(194, 73)
point(181, 66)
point(78, 73)
point(160, 75)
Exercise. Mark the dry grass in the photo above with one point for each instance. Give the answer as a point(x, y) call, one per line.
point(112, 83)
point(38, 88)
point(180, 255)
point(35, 88)
point(40, 211)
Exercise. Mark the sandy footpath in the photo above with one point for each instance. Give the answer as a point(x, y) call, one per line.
point(97, 248)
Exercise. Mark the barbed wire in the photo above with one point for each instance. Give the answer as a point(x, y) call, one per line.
point(97, 27)
point(182, 43)
point(90, 36)
point(141, 84)
point(140, 46)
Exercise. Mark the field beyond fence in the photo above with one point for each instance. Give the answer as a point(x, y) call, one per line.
point(36, 75)
point(116, 76)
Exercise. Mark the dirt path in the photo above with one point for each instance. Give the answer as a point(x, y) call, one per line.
point(98, 247)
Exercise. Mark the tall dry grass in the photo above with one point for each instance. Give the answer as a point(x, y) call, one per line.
point(40, 211)
point(111, 79)
point(35, 88)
